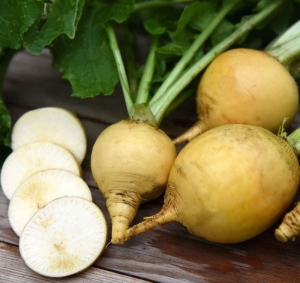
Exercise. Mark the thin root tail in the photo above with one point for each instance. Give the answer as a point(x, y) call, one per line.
point(166, 215)
point(122, 206)
point(289, 229)
point(191, 133)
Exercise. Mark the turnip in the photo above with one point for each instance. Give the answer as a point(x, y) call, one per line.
point(130, 163)
point(64, 237)
point(31, 158)
point(52, 124)
point(41, 188)
point(229, 184)
point(244, 86)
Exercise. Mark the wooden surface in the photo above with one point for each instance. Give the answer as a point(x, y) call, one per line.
point(165, 254)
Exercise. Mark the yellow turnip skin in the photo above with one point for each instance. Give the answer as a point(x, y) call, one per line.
point(130, 164)
point(229, 184)
point(244, 86)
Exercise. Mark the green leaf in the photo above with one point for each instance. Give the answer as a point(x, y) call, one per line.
point(197, 15)
point(170, 50)
point(16, 16)
point(118, 12)
point(155, 26)
point(86, 61)
point(5, 124)
point(62, 18)
point(222, 31)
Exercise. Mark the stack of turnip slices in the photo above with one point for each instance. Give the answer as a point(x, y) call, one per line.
point(62, 232)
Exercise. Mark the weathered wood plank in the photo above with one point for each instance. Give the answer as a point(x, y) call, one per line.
point(13, 269)
point(170, 254)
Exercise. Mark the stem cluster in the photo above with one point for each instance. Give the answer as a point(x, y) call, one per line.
point(182, 74)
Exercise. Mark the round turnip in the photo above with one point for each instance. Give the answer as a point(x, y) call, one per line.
point(130, 164)
point(229, 184)
point(244, 86)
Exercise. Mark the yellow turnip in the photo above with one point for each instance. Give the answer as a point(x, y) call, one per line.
point(130, 164)
point(244, 86)
point(229, 184)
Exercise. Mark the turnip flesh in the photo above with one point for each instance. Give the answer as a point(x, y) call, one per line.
point(63, 238)
point(41, 188)
point(32, 158)
point(244, 86)
point(52, 124)
point(229, 184)
point(130, 164)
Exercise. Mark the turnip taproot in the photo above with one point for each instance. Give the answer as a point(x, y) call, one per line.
point(244, 86)
point(229, 184)
point(289, 229)
point(130, 164)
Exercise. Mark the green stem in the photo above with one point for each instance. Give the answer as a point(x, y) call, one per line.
point(159, 106)
point(145, 83)
point(158, 3)
point(293, 139)
point(286, 48)
point(189, 54)
point(121, 69)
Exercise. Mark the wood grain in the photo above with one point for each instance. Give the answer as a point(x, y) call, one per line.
point(164, 254)
point(13, 269)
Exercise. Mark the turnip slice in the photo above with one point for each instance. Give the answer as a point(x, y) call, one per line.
point(64, 237)
point(41, 188)
point(52, 124)
point(31, 158)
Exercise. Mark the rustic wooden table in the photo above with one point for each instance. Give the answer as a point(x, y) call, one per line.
point(165, 254)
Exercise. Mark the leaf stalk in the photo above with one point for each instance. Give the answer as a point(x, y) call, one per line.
point(145, 83)
point(121, 69)
point(189, 54)
point(161, 104)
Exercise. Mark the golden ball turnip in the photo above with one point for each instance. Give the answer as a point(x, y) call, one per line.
point(130, 164)
point(229, 184)
point(244, 86)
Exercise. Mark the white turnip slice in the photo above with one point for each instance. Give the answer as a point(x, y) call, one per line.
point(31, 158)
point(39, 189)
point(64, 237)
point(53, 124)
